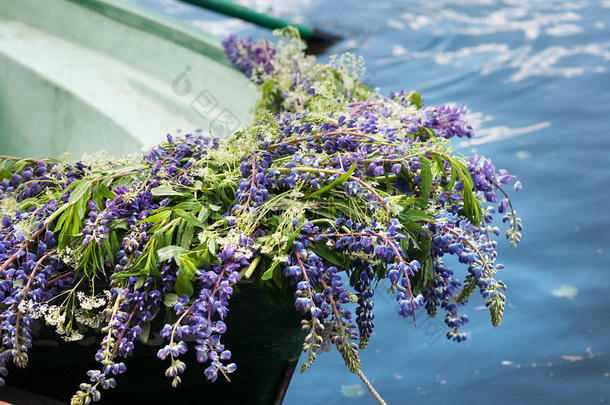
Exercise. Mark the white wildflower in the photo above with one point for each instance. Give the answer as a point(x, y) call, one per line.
point(54, 316)
point(97, 162)
point(8, 206)
point(24, 228)
point(87, 318)
point(282, 259)
point(72, 335)
point(88, 303)
point(68, 256)
point(31, 309)
point(233, 239)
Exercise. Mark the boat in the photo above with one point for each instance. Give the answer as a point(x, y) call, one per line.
point(264, 336)
point(81, 76)
point(86, 75)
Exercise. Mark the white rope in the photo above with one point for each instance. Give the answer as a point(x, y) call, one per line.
point(371, 388)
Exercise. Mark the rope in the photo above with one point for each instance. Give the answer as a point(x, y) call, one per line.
point(371, 388)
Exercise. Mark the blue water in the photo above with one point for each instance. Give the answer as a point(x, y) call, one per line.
point(535, 76)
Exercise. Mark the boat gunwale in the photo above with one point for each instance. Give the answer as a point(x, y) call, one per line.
point(160, 25)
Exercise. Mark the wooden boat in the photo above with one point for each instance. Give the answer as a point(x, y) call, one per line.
point(87, 75)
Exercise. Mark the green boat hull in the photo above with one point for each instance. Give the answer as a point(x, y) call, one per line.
point(265, 340)
point(87, 75)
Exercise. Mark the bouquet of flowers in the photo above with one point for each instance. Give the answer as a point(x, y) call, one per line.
point(332, 188)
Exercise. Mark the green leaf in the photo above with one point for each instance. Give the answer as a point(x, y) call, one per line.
point(388, 184)
point(454, 173)
point(152, 265)
point(204, 213)
point(127, 168)
point(97, 197)
point(426, 180)
point(462, 172)
point(421, 253)
point(139, 283)
point(269, 273)
point(80, 190)
point(423, 276)
point(329, 255)
point(414, 226)
point(439, 165)
point(429, 132)
point(170, 299)
point(145, 333)
point(415, 99)
point(114, 242)
point(472, 207)
point(295, 233)
point(415, 215)
point(159, 236)
point(189, 206)
point(63, 219)
point(405, 177)
point(405, 203)
point(165, 191)
point(169, 252)
point(103, 189)
point(187, 236)
point(338, 181)
point(204, 259)
point(189, 218)
point(157, 217)
point(214, 207)
point(183, 285)
point(266, 87)
point(212, 245)
point(5, 174)
point(70, 187)
point(107, 248)
point(81, 209)
point(187, 267)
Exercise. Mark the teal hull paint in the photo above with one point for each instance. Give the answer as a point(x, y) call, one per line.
point(86, 75)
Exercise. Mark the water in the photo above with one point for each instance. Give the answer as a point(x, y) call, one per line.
point(535, 75)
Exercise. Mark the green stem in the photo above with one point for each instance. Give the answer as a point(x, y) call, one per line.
point(7, 157)
point(247, 273)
